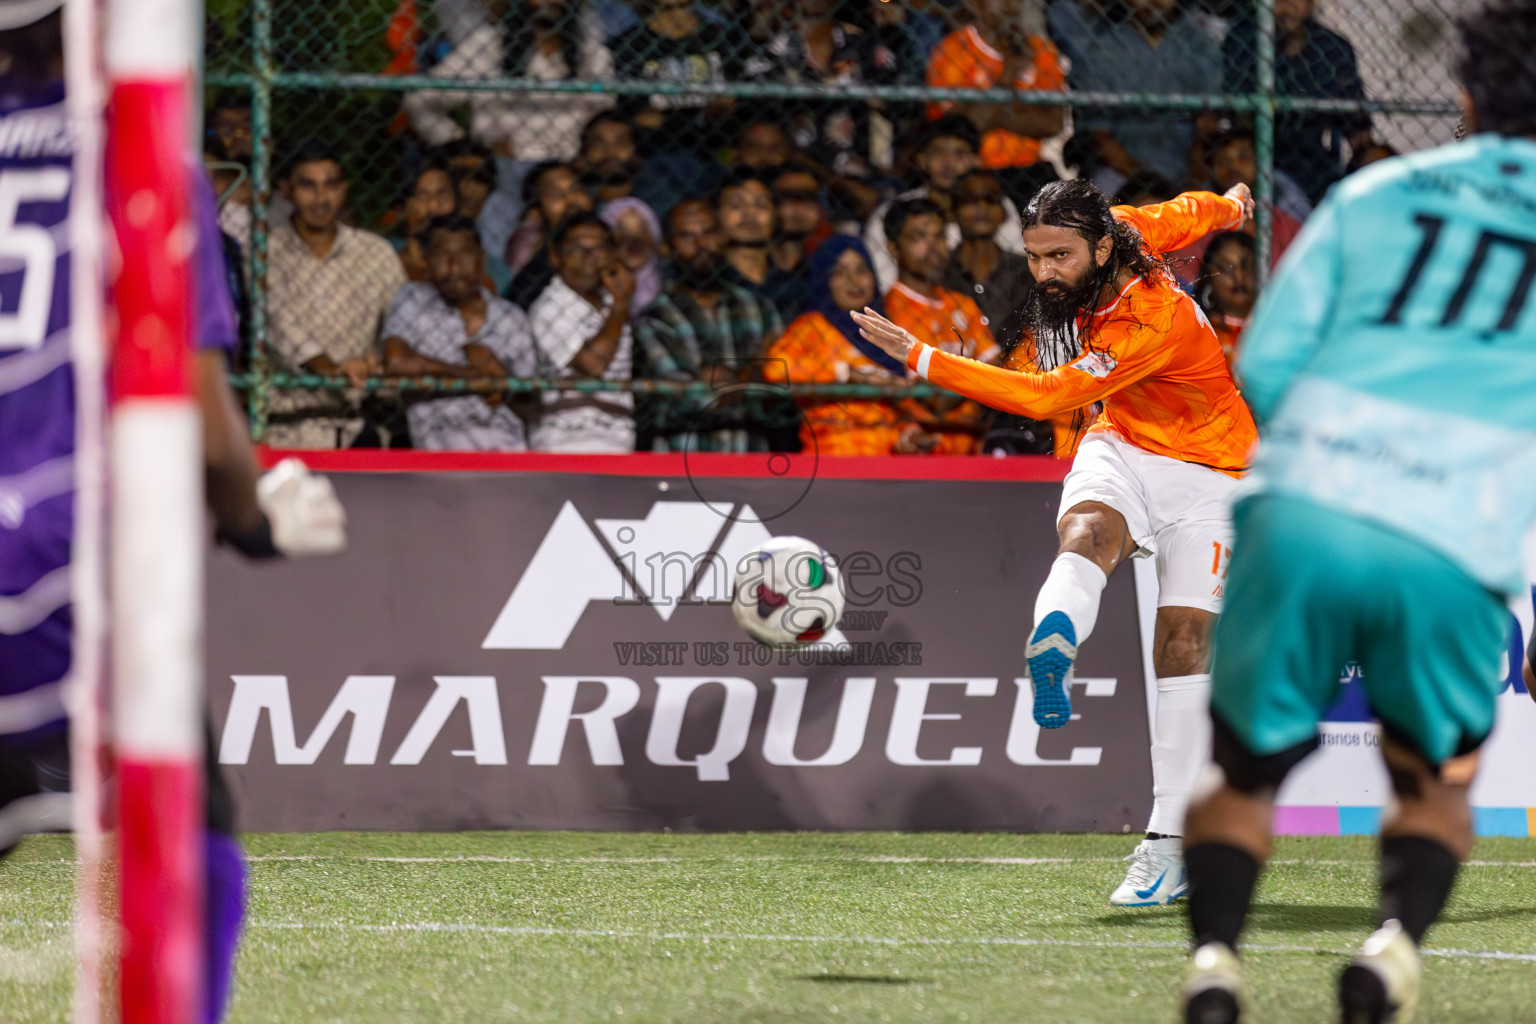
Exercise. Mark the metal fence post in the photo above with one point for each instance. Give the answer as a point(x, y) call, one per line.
point(261, 174)
point(1264, 138)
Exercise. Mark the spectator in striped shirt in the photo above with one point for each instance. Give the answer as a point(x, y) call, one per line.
point(703, 327)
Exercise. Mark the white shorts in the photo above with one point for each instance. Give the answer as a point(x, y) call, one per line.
point(1177, 512)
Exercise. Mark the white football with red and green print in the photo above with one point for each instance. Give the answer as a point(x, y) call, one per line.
point(787, 592)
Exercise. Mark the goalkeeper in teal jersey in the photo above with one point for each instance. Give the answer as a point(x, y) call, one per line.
point(1392, 369)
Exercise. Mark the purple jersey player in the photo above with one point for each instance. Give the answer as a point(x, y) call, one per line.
point(37, 417)
point(37, 387)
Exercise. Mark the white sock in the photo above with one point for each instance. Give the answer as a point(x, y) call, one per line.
point(1182, 749)
point(1073, 587)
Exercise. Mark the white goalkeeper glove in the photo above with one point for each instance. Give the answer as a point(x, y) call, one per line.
point(304, 513)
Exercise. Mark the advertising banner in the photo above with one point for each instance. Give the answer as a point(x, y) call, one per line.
point(552, 648)
point(556, 650)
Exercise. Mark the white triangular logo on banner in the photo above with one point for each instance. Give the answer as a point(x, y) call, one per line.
point(569, 569)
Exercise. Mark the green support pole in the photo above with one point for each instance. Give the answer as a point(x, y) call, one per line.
point(1264, 137)
point(261, 174)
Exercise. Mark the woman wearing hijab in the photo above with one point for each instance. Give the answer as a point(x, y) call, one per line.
point(637, 237)
point(823, 346)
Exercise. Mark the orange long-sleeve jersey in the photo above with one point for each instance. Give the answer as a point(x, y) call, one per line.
point(1153, 359)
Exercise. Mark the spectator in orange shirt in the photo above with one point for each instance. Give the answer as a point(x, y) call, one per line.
point(939, 317)
point(1228, 287)
point(823, 346)
point(994, 51)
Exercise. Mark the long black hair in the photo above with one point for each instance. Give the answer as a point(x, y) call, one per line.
point(1081, 206)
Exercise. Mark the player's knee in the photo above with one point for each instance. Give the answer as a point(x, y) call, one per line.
point(1091, 533)
point(1247, 772)
point(1183, 644)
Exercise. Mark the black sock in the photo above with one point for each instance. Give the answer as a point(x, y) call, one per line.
point(1416, 878)
point(1221, 883)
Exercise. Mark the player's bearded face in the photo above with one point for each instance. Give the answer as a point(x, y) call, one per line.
point(1064, 267)
point(1059, 303)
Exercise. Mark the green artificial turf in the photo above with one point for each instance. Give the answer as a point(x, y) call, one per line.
point(771, 929)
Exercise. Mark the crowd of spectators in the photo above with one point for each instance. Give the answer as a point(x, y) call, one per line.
point(690, 237)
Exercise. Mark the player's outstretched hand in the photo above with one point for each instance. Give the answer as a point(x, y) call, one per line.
point(306, 517)
point(1243, 194)
point(896, 341)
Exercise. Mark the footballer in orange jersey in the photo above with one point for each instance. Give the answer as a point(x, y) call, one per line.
point(1153, 475)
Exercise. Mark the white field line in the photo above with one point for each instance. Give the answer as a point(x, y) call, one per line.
point(820, 859)
point(865, 940)
point(449, 927)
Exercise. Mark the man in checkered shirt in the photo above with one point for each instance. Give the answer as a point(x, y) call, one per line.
point(702, 327)
point(452, 327)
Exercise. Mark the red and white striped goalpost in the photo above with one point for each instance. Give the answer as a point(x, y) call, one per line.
point(156, 512)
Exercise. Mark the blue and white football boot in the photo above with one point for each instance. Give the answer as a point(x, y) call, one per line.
point(1050, 654)
point(1157, 876)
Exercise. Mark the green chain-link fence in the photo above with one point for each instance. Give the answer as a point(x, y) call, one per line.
point(486, 108)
